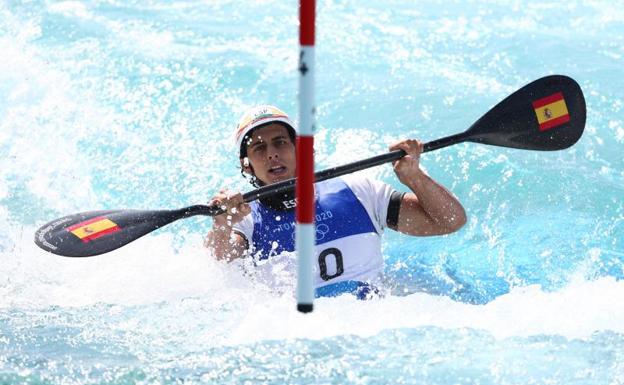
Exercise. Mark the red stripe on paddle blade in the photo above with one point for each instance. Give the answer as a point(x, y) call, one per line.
point(554, 122)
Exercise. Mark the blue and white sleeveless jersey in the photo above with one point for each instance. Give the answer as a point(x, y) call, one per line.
point(350, 218)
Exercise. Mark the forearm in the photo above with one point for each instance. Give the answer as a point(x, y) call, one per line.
point(224, 243)
point(439, 204)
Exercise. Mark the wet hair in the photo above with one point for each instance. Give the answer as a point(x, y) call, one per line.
point(243, 151)
point(252, 179)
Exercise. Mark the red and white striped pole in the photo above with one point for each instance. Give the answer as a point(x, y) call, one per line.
point(304, 188)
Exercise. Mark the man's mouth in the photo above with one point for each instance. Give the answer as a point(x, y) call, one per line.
point(277, 170)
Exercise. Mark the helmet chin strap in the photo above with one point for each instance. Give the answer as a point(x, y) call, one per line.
point(280, 202)
point(250, 175)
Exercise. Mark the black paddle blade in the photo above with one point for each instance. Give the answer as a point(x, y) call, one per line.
point(97, 232)
point(547, 114)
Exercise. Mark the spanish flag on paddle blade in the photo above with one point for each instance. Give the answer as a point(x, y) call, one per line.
point(93, 228)
point(551, 111)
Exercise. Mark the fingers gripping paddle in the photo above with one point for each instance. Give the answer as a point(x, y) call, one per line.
point(548, 114)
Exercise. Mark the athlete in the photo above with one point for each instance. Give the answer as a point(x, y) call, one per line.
point(351, 211)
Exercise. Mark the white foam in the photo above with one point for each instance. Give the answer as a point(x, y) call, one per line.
point(150, 270)
point(145, 271)
point(71, 8)
point(42, 126)
point(574, 312)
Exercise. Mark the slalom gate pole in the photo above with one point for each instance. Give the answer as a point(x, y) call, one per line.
point(304, 187)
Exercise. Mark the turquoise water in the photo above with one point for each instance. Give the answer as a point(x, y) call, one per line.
point(111, 104)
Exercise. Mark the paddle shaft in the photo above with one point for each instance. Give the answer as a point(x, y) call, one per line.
point(546, 115)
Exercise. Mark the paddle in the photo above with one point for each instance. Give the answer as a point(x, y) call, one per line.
point(546, 115)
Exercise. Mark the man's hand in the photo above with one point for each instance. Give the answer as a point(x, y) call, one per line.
point(236, 208)
point(407, 168)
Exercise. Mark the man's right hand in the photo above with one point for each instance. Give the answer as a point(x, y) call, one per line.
point(236, 208)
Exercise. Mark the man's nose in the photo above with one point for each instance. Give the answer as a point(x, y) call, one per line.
point(273, 153)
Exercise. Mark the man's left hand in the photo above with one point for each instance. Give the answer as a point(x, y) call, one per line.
point(408, 168)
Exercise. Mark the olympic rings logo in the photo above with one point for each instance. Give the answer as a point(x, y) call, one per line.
point(321, 231)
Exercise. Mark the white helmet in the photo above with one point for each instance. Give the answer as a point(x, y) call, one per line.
point(256, 117)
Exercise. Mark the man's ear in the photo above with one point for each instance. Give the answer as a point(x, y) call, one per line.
point(246, 166)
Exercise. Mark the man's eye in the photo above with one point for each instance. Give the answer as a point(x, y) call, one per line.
point(259, 148)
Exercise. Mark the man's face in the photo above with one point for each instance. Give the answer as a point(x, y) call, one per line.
point(271, 154)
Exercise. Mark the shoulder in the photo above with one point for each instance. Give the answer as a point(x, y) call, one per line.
point(357, 182)
point(367, 188)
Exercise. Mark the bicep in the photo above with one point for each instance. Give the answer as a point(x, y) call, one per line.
point(414, 220)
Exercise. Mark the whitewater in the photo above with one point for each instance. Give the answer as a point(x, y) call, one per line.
point(110, 104)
